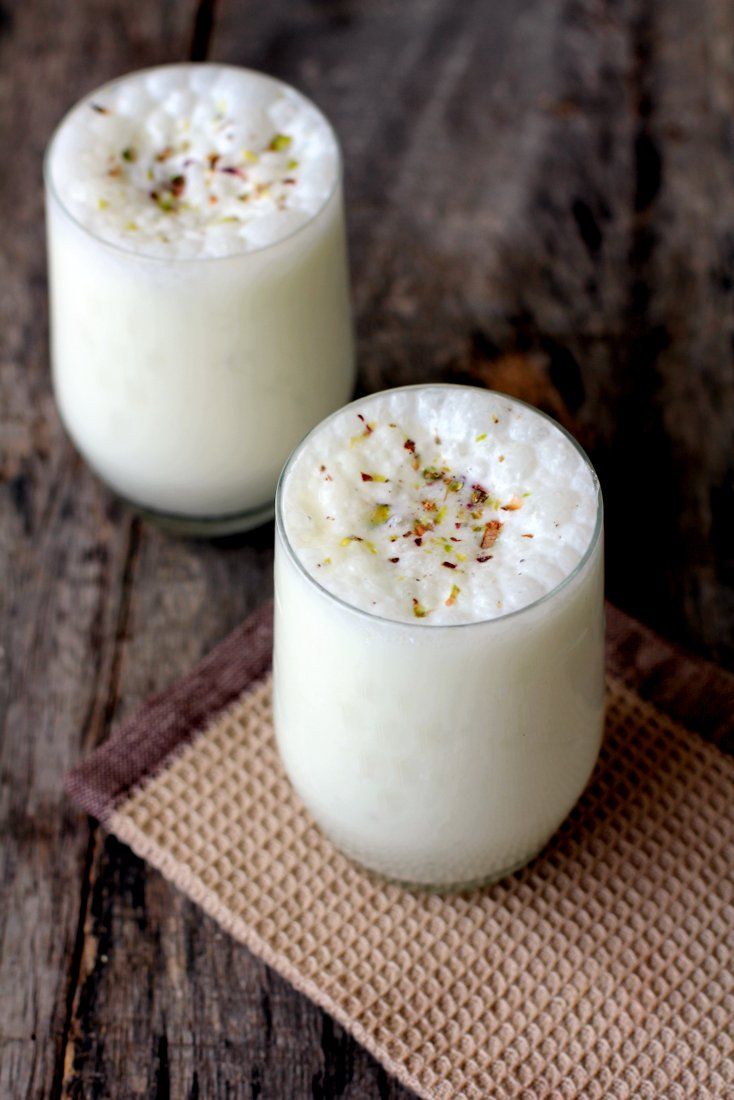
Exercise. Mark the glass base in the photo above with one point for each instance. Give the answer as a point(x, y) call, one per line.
point(207, 526)
point(453, 887)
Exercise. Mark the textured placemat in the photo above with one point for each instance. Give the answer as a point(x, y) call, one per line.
point(605, 969)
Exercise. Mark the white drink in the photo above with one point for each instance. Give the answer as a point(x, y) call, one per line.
point(199, 288)
point(438, 663)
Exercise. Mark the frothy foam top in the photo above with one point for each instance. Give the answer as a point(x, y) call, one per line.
point(194, 160)
point(439, 504)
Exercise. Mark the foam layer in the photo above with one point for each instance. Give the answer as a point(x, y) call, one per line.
point(194, 160)
point(439, 505)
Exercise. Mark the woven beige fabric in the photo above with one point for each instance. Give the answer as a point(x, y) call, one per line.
point(605, 969)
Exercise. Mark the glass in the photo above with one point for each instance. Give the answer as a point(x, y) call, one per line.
point(185, 382)
point(438, 755)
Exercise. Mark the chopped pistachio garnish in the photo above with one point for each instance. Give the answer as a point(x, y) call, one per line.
point(368, 430)
point(380, 515)
point(414, 507)
point(491, 534)
point(357, 538)
point(451, 600)
point(164, 202)
point(203, 175)
point(279, 143)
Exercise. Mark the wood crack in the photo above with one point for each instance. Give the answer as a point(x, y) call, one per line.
point(203, 29)
point(63, 1062)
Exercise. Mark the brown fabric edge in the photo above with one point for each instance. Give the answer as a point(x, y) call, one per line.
point(170, 719)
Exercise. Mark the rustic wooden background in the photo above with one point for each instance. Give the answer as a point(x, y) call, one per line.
point(541, 197)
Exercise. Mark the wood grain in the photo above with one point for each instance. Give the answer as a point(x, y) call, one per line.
point(68, 550)
point(539, 199)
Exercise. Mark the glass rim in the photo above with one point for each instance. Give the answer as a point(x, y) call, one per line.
point(52, 189)
point(280, 529)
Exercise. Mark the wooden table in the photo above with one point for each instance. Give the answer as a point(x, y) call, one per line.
point(541, 198)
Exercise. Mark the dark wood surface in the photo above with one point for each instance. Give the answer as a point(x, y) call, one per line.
point(541, 198)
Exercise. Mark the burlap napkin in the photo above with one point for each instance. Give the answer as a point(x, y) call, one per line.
point(605, 969)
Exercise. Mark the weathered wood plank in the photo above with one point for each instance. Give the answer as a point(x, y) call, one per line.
point(696, 693)
point(539, 197)
point(686, 263)
point(64, 544)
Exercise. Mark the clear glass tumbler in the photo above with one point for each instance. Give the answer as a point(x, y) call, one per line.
point(438, 755)
point(185, 382)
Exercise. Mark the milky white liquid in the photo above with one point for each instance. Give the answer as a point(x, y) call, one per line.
point(439, 723)
point(199, 288)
